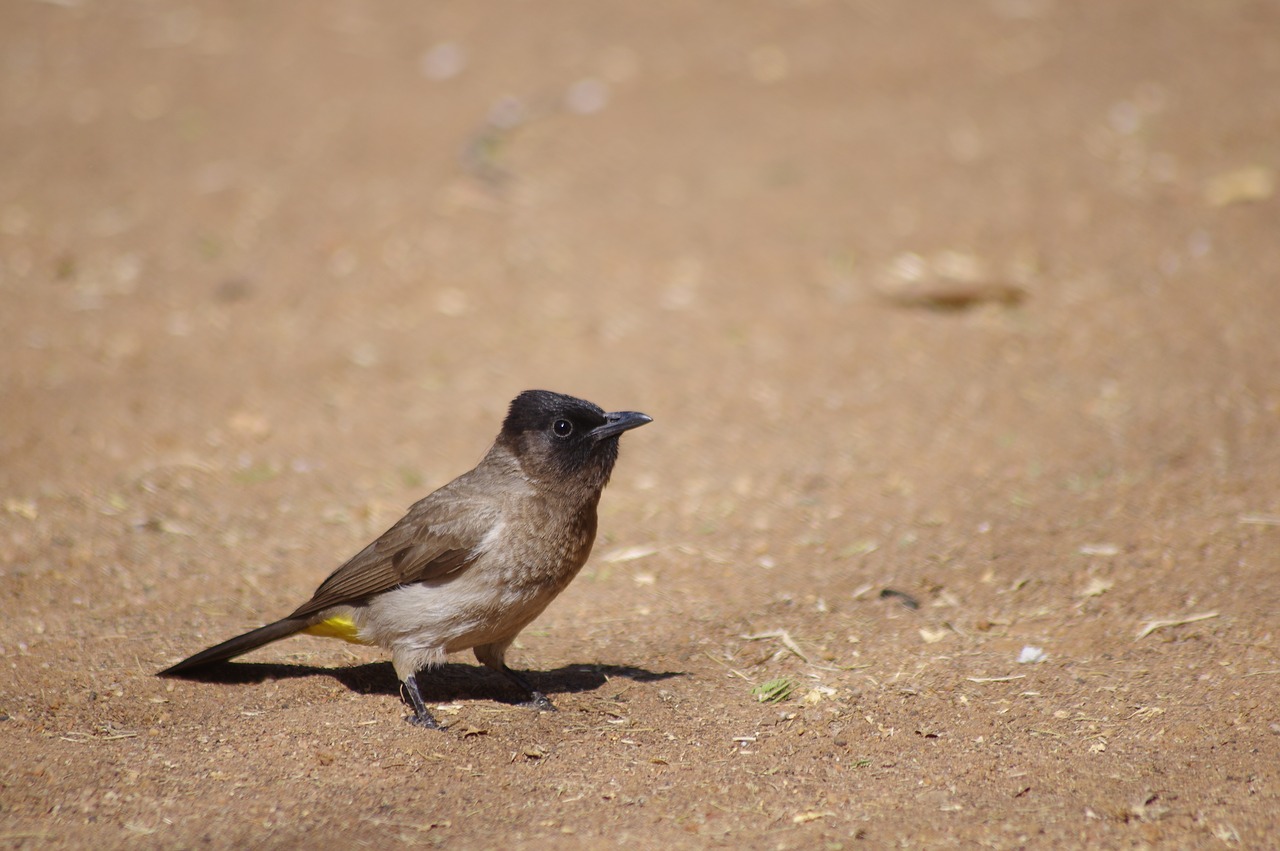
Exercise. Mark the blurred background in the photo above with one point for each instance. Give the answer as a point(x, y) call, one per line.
point(958, 298)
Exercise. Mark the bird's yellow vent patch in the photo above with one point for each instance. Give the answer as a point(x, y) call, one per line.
point(338, 626)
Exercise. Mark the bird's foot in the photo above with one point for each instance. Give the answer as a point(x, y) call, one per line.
point(539, 701)
point(421, 716)
point(425, 720)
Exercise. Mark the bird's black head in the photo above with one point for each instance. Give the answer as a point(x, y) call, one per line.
point(564, 440)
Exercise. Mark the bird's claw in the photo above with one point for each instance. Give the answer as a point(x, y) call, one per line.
point(540, 702)
point(425, 721)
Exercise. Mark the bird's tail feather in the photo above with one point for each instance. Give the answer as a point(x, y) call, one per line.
point(233, 647)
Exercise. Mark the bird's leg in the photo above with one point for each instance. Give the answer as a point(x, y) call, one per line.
point(537, 699)
point(421, 715)
point(492, 656)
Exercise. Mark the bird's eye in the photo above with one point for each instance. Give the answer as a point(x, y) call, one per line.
point(562, 428)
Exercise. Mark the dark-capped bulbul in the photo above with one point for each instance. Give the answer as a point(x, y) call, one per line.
point(474, 563)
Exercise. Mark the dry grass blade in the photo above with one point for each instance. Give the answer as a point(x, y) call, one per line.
point(1152, 626)
point(781, 635)
point(996, 679)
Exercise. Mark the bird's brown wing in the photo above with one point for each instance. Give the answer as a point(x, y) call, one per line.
point(436, 538)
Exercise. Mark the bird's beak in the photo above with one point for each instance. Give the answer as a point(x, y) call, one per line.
point(618, 422)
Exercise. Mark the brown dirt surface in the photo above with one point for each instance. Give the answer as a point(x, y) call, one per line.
point(974, 303)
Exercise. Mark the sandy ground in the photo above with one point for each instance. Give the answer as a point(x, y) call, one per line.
point(975, 303)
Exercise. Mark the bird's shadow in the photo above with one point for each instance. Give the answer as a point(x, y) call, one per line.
point(443, 683)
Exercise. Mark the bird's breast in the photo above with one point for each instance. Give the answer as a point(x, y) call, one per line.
point(542, 546)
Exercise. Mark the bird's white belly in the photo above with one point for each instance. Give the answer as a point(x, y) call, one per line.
point(433, 619)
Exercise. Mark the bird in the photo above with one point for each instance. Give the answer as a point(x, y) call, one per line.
point(476, 561)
